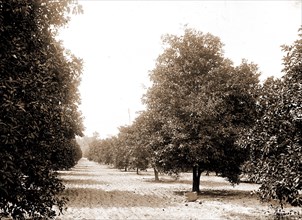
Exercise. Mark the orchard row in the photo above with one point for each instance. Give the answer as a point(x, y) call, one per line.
point(203, 113)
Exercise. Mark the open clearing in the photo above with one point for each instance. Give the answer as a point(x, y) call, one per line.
point(98, 192)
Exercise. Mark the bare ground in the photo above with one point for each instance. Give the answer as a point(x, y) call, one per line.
point(98, 192)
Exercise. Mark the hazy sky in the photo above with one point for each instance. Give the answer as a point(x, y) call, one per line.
point(120, 40)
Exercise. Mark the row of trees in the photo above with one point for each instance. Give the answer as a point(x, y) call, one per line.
point(39, 99)
point(205, 114)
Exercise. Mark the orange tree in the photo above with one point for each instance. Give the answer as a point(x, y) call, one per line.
point(145, 140)
point(131, 148)
point(275, 140)
point(115, 150)
point(102, 150)
point(38, 107)
point(203, 103)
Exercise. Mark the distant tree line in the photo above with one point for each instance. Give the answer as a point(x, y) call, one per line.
point(203, 113)
point(39, 99)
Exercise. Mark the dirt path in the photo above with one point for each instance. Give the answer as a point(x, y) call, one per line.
point(98, 192)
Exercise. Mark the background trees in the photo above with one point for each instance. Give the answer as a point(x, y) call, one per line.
point(39, 116)
point(102, 150)
point(122, 151)
point(147, 138)
point(84, 143)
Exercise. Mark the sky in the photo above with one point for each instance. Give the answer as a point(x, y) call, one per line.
point(119, 42)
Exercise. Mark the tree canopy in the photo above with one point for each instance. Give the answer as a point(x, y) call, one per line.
point(39, 99)
point(275, 140)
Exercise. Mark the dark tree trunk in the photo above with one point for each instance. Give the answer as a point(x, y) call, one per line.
point(137, 171)
point(196, 178)
point(156, 174)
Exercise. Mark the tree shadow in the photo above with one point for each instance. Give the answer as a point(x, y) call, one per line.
point(86, 169)
point(168, 181)
point(84, 181)
point(87, 197)
point(229, 195)
point(204, 183)
point(79, 174)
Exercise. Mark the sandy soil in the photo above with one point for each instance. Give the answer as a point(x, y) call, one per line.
point(98, 192)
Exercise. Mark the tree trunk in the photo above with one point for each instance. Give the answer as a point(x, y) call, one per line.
point(196, 178)
point(156, 174)
point(137, 171)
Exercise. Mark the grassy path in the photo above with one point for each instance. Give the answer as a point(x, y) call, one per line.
point(98, 192)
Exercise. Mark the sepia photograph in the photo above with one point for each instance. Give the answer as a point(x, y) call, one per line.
point(150, 109)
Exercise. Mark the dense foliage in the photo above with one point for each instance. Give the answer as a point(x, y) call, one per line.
point(39, 116)
point(275, 141)
point(121, 151)
point(131, 149)
point(203, 103)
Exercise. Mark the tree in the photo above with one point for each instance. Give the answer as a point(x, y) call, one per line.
point(144, 139)
point(94, 151)
point(203, 103)
point(275, 140)
point(38, 107)
point(128, 152)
